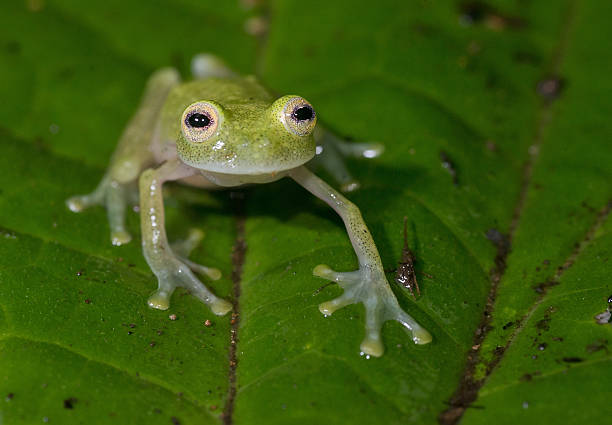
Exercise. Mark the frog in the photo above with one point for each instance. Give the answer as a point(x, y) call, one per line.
point(224, 130)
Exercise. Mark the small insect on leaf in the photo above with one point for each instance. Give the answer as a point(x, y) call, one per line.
point(405, 275)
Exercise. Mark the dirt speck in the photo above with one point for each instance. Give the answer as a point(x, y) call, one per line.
point(550, 88)
point(175, 420)
point(600, 344)
point(529, 376)
point(500, 240)
point(542, 287)
point(478, 12)
point(449, 165)
point(70, 402)
point(9, 396)
point(543, 325)
point(572, 359)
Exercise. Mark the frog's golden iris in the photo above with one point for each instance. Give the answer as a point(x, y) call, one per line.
point(200, 121)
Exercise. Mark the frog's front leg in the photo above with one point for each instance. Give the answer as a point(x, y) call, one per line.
point(171, 272)
point(367, 285)
point(131, 156)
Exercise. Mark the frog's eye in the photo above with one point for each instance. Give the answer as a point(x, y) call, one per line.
point(200, 121)
point(298, 116)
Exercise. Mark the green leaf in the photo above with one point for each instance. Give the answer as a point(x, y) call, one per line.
point(514, 95)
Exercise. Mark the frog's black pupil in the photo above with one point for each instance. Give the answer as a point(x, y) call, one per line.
point(304, 113)
point(198, 120)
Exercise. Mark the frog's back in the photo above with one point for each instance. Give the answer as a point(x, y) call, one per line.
point(228, 92)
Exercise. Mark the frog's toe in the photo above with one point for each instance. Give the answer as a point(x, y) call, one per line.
point(211, 272)
point(372, 346)
point(372, 290)
point(370, 150)
point(160, 299)
point(328, 307)
point(367, 150)
point(361, 150)
point(74, 204)
point(184, 247)
point(343, 278)
point(420, 335)
point(79, 203)
point(350, 186)
point(120, 237)
point(184, 277)
point(220, 307)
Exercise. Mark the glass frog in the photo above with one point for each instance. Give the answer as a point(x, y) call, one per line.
point(225, 130)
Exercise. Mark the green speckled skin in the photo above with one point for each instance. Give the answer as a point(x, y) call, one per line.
point(250, 138)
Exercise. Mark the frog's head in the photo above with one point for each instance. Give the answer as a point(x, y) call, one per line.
point(247, 138)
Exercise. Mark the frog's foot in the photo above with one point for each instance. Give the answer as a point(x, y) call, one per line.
point(332, 152)
point(113, 196)
point(206, 65)
point(371, 289)
point(182, 249)
point(360, 150)
point(176, 274)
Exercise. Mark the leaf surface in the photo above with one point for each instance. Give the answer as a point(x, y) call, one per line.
point(433, 82)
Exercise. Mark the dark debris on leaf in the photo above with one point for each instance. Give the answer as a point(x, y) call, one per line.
point(478, 12)
point(449, 165)
point(573, 359)
point(70, 402)
point(550, 88)
point(600, 344)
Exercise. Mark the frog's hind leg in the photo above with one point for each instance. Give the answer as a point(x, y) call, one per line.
point(133, 154)
point(113, 196)
point(331, 154)
point(206, 65)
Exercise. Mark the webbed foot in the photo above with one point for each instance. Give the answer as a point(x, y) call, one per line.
point(360, 150)
point(113, 196)
point(370, 288)
point(332, 152)
point(183, 248)
point(173, 274)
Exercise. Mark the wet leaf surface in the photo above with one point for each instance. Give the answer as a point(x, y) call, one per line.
point(513, 95)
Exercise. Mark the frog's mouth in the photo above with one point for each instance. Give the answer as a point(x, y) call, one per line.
point(231, 180)
point(266, 164)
